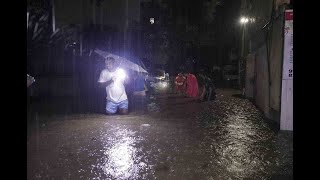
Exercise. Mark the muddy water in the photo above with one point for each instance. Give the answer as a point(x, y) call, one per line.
point(224, 139)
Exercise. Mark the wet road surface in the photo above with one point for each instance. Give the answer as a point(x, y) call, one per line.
point(181, 139)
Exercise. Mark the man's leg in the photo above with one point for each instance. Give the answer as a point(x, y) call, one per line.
point(111, 108)
point(123, 107)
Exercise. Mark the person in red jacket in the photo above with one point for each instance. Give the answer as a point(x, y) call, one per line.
point(179, 82)
point(192, 89)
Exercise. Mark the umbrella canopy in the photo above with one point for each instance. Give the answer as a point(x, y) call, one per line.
point(123, 62)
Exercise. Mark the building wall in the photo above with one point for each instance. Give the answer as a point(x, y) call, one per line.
point(276, 51)
point(267, 48)
point(262, 78)
point(250, 76)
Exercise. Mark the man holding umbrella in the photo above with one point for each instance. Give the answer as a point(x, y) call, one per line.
point(113, 78)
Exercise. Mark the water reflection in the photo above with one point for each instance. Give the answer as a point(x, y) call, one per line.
point(120, 162)
point(120, 156)
point(243, 145)
point(239, 144)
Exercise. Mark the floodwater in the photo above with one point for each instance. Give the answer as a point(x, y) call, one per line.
point(179, 139)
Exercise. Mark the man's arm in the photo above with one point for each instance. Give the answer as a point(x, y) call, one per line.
point(105, 84)
point(104, 79)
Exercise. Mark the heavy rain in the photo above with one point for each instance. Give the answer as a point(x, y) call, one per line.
point(159, 89)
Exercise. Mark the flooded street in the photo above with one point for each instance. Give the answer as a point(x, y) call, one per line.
point(180, 139)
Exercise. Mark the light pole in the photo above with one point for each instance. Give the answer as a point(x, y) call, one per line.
point(243, 21)
point(53, 17)
point(27, 20)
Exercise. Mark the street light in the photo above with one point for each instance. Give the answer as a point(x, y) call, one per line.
point(243, 21)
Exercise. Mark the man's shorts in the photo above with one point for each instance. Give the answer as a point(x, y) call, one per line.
point(112, 107)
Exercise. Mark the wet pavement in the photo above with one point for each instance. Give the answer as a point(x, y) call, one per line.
point(180, 139)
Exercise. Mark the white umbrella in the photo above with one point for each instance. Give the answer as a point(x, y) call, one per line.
point(123, 62)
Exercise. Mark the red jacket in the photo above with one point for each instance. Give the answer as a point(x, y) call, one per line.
point(192, 86)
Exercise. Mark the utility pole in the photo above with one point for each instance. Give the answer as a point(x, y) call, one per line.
point(242, 55)
point(27, 20)
point(53, 17)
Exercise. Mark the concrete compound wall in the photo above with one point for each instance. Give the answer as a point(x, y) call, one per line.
point(276, 58)
point(267, 95)
point(250, 76)
point(262, 80)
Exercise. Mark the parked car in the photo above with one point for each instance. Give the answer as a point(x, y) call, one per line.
point(158, 80)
